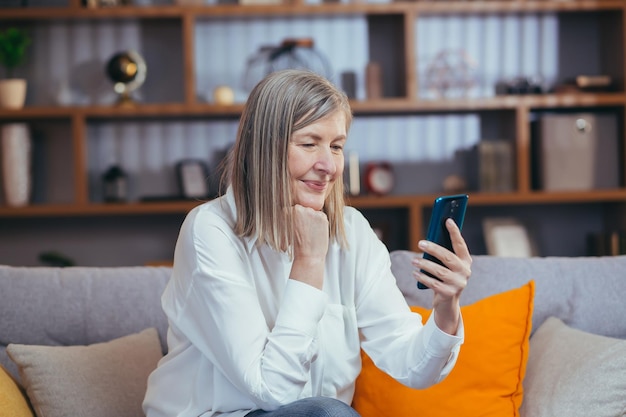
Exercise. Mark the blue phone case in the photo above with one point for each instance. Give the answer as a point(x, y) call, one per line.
point(450, 206)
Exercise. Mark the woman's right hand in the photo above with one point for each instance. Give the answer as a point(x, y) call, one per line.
point(310, 245)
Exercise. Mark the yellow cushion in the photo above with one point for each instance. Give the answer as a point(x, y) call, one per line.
point(12, 402)
point(487, 378)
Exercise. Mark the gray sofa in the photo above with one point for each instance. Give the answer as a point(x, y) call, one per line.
point(86, 306)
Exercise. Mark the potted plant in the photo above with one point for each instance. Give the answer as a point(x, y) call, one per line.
point(13, 45)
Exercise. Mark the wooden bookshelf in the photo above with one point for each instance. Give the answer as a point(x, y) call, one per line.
point(391, 21)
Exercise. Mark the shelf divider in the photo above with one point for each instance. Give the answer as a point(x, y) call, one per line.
point(79, 149)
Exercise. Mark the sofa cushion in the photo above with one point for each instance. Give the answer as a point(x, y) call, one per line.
point(102, 379)
point(572, 373)
point(487, 379)
point(12, 401)
point(78, 305)
point(571, 289)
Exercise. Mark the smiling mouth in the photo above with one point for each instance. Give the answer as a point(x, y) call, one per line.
point(316, 185)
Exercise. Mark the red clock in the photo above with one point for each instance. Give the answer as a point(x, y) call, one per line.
point(379, 178)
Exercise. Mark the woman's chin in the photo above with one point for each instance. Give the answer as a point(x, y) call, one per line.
point(315, 205)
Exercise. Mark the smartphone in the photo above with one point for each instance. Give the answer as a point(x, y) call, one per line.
point(445, 207)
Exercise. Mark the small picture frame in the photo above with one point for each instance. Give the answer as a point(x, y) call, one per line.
point(193, 178)
point(508, 237)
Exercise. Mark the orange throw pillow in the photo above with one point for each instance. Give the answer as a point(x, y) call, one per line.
point(487, 378)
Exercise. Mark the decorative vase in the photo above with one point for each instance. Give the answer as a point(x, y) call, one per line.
point(16, 163)
point(12, 93)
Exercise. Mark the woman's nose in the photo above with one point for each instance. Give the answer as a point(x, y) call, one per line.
point(326, 162)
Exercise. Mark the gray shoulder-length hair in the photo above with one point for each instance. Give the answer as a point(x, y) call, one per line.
point(283, 102)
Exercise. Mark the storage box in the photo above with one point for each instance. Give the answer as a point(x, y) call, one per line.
point(576, 152)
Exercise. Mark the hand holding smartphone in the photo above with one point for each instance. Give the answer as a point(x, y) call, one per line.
point(445, 207)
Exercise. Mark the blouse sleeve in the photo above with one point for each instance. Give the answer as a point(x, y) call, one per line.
point(415, 354)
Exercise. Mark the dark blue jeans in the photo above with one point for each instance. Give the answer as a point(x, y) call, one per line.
point(310, 407)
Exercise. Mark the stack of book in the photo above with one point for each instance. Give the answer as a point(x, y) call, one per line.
point(606, 244)
point(491, 166)
point(496, 165)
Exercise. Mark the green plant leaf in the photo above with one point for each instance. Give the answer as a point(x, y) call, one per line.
point(13, 45)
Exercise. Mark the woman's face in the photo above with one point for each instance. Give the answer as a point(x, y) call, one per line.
point(315, 159)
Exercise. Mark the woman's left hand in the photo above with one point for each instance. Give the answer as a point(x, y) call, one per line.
point(452, 277)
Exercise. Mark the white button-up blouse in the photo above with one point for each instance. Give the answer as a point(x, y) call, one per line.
point(243, 336)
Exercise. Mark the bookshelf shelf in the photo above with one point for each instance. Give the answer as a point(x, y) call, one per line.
point(380, 106)
point(396, 201)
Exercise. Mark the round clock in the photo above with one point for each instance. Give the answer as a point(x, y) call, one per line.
point(379, 178)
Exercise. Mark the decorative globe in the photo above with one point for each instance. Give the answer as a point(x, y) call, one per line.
point(127, 70)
